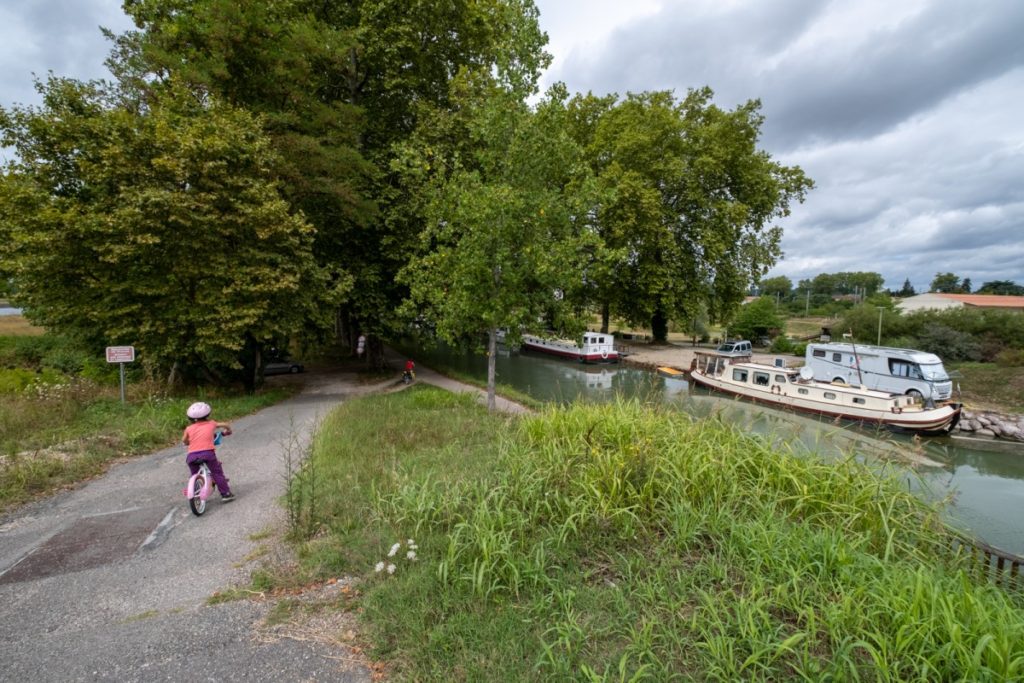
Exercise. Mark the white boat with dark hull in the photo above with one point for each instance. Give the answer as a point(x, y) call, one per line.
point(597, 347)
point(797, 390)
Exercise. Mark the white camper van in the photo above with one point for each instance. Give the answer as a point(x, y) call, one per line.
point(898, 371)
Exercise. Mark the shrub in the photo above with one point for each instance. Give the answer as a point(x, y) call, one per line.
point(800, 349)
point(15, 380)
point(948, 343)
point(781, 344)
point(1010, 358)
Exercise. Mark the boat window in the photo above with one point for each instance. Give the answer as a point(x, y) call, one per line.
point(780, 379)
point(837, 357)
point(858, 399)
point(739, 375)
point(801, 390)
point(762, 378)
point(902, 368)
point(830, 395)
point(819, 353)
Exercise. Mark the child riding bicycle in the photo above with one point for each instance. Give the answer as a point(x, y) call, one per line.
point(199, 437)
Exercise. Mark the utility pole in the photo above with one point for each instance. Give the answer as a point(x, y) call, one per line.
point(807, 305)
point(880, 311)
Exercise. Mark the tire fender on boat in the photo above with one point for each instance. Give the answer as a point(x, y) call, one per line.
point(604, 354)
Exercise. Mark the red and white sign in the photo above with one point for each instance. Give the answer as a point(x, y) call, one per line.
point(120, 354)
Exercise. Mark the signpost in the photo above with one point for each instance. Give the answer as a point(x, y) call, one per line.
point(121, 355)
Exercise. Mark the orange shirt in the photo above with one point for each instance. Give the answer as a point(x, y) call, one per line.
point(200, 435)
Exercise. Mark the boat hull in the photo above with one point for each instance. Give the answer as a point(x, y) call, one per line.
point(925, 422)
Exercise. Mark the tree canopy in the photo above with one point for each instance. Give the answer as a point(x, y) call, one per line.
point(500, 249)
point(1004, 287)
point(759, 318)
point(165, 231)
point(687, 203)
point(947, 283)
point(328, 147)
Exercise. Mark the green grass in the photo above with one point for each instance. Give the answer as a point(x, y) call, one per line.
point(616, 542)
point(987, 386)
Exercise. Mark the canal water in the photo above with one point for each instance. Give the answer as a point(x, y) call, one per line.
point(986, 489)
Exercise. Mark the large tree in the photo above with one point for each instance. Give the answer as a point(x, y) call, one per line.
point(160, 228)
point(340, 86)
point(502, 245)
point(688, 205)
point(946, 283)
point(780, 287)
point(759, 318)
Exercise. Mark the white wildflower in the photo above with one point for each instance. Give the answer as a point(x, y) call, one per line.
point(394, 549)
point(410, 542)
point(391, 569)
point(411, 555)
point(379, 567)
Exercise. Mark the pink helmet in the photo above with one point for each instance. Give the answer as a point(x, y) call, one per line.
point(199, 410)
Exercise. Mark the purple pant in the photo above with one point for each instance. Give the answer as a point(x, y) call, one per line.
point(216, 471)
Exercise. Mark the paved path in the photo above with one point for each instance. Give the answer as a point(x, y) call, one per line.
point(110, 581)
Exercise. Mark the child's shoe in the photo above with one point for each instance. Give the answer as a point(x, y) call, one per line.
point(227, 498)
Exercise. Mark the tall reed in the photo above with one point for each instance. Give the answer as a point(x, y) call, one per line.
point(621, 542)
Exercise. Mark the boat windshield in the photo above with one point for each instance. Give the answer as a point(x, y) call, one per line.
point(934, 372)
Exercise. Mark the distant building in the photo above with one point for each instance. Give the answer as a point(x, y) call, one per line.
point(938, 301)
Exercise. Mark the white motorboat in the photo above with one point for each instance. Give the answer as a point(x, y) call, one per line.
point(597, 347)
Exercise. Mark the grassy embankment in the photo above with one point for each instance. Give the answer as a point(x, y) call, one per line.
point(988, 386)
point(59, 428)
point(624, 543)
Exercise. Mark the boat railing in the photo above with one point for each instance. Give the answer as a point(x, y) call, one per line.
point(988, 562)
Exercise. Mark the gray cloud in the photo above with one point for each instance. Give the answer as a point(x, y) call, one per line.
point(63, 36)
point(906, 115)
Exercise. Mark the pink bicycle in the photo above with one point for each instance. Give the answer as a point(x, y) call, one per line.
point(200, 485)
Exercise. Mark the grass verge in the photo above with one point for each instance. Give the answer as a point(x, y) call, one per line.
point(615, 542)
point(987, 386)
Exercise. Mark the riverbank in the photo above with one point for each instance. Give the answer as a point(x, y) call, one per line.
point(617, 538)
point(652, 357)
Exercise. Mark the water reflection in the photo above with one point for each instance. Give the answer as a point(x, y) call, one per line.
point(987, 489)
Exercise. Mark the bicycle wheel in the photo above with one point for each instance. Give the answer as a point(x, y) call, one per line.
point(197, 504)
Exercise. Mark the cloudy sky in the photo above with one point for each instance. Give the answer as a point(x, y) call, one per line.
point(907, 115)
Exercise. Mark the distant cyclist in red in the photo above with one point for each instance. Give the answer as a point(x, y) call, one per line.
point(409, 373)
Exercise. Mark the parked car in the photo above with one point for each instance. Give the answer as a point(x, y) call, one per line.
point(283, 367)
point(736, 349)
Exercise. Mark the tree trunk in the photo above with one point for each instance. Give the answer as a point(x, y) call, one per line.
point(492, 356)
point(605, 316)
point(251, 364)
point(174, 376)
point(375, 353)
point(659, 327)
